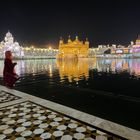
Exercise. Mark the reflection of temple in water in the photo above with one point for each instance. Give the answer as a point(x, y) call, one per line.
point(73, 69)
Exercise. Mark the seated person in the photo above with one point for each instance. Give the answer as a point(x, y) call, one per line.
point(9, 74)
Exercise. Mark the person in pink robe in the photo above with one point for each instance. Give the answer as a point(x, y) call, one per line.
point(9, 74)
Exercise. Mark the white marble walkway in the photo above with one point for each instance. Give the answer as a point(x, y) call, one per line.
point(24, 116)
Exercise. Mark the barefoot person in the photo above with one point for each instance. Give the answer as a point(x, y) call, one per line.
point(9, 74)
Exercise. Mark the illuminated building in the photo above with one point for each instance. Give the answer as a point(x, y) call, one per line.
point(136, 47)
point(25, 52)
point(9, 45)
point(73, 49)
point(35, 53)
point(121, 50)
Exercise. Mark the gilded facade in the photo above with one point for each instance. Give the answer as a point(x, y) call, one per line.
point(73, 49)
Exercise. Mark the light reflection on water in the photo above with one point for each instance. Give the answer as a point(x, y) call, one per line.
point(75, 70)
point(27, 67)
point(131, 66)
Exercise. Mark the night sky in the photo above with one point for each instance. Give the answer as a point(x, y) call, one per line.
point(43, 22)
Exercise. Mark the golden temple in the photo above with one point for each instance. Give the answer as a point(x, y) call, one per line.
point(73, 49)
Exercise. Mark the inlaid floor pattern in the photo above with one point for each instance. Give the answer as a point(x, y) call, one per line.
point(6, 97)
point(29, 121)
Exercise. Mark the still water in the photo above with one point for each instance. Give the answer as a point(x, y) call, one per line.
point(116, 75)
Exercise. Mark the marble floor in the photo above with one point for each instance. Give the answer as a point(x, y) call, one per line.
point(6, 97)
point(26, 117)
point(29, 120)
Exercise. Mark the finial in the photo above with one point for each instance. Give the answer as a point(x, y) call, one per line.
point(76, 37)
point(61, 38)
point(132, 43)
point(69, 40)
point(86, 39)
point(138, 37)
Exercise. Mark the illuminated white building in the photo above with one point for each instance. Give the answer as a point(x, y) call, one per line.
point(9, 45)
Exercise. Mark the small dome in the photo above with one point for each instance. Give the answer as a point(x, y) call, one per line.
point(8, 34)
point(76, 38)
point(16, 43)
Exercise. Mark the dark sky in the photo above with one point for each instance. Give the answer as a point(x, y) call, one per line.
point(41, 22)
